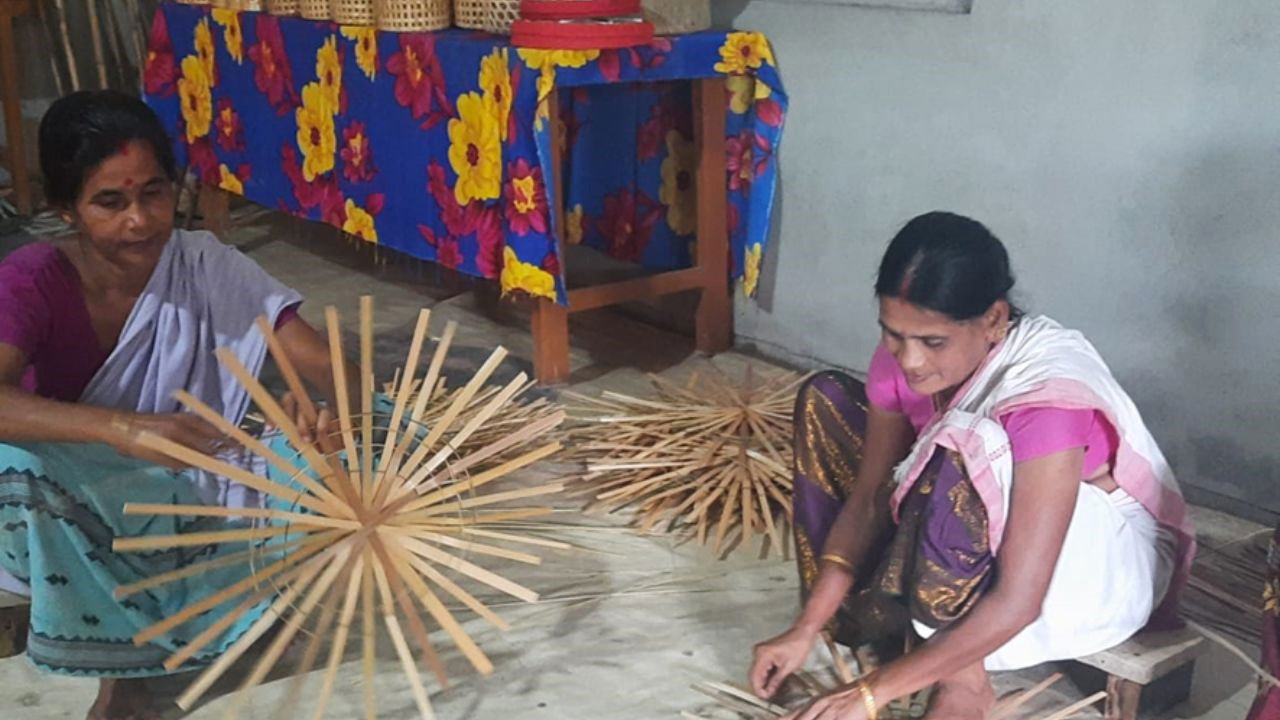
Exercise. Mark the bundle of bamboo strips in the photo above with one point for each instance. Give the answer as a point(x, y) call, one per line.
point(709, 454)
point(1224, 592)
point(394, 507)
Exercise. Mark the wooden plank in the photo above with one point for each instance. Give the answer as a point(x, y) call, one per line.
point(641, 288)
point(1148, 656)
point(714, 319)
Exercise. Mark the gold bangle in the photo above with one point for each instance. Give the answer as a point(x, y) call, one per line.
point(837, 559)
point(868, 699)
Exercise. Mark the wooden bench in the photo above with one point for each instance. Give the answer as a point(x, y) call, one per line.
point(1146, 674)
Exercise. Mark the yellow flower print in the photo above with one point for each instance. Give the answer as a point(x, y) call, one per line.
point(329, 71)
point(517, 275)
point(678, 191)
point(741, 89)
point(197, 101)
point(360, 223)
point(548, 60)
point(204, 51)
point(751, 274)
point(575, 222)
point(540, 59)
point(229, 181)
point(475, 151)
point(231, 34)
point(316, 138)
point(366, 42)
point(743, 51)
point(495, 81)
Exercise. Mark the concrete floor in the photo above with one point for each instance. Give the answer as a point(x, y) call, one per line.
point(627, 622)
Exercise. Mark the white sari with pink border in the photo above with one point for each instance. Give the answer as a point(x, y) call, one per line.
point(1042, 364)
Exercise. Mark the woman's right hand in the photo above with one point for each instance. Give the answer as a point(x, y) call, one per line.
point(182, 428)
point(777, 658)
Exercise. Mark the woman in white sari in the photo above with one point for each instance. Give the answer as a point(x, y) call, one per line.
point(992, 490)
point(96, 334)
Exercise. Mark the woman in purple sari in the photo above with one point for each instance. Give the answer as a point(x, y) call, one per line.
point(990, 489)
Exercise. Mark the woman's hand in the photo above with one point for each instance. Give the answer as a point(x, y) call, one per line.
point(776, 659)
point(312, 426)
point(843, 703)
point(182, 428)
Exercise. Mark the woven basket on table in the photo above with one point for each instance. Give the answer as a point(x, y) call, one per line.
point(412, 15)
point(282, 7)
point(354, 12)
point(671, 17)
point(315, 9)
point(493, 16)
point(254, 5)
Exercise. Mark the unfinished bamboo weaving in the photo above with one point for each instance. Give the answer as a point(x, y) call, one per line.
point(712, 457)
point(394, 505)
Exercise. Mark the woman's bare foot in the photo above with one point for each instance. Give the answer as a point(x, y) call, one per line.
point(122, 699)
point(966, 695)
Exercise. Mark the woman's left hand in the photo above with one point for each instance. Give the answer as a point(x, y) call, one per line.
point(320, 427)
point(843, 703)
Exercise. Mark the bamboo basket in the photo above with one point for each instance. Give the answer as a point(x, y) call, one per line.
point(354, 12)
point(315, 9)
point(282, 7)
point(672, 17)
point(193, 2)
point(414, 15)
point(495, 16)
point(253, 5)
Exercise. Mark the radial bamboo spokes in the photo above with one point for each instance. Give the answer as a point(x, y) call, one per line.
point(373, 522)
point(712, 456)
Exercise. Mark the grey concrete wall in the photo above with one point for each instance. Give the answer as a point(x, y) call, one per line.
point(1127, 152)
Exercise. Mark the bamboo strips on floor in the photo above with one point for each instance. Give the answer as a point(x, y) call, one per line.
point(712, 456)
point(388, 513)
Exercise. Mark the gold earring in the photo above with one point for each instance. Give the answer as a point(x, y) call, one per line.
point(1001, 334)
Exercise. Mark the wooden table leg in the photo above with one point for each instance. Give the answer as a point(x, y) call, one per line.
point(714, 319)
point(1122, 699)
point(550, 342)
point(551, 321)
point(16, 152)
point(214, 205)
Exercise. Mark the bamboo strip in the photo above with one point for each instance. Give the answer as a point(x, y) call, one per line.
point(471, 570)
point(406, 382)
point(402, 647)
point(338, 361)
point(219, 511)
point(186, 455)
point(458, 593)
point(366, 397)
point(160, 627)
point(299, 615)
point(1006, 708)
point(214, 537)
point(339, 647)
point(438, 611)
point(369, 639)
point(199, 568)
point(1076, 707)
point(206, 679)
point(478, 548)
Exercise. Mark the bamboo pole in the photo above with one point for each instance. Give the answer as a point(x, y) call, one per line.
point(66, 45)
point(95, 33)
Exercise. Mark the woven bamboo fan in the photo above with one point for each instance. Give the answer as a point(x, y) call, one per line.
point(315, 9)
point(411, 15)
point(671, 17)
point(394, 508)
point(712, 457)
point(354, 12)
point(495, 16)
point(282, 7)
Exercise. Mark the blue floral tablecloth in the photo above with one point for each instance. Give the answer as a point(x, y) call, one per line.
point(437, 145)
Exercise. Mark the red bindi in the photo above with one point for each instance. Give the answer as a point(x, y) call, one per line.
point(124, 148)
point(128, 182)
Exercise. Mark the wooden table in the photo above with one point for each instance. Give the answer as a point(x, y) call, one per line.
point(709, 275)
point(15, 147)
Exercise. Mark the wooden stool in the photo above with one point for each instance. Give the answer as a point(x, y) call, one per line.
point(1147, 673)
point(15, 614)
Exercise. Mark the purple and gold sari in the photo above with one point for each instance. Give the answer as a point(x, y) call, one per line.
point(931, 568)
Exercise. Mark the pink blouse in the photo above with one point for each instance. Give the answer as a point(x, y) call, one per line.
point(1033, 433)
